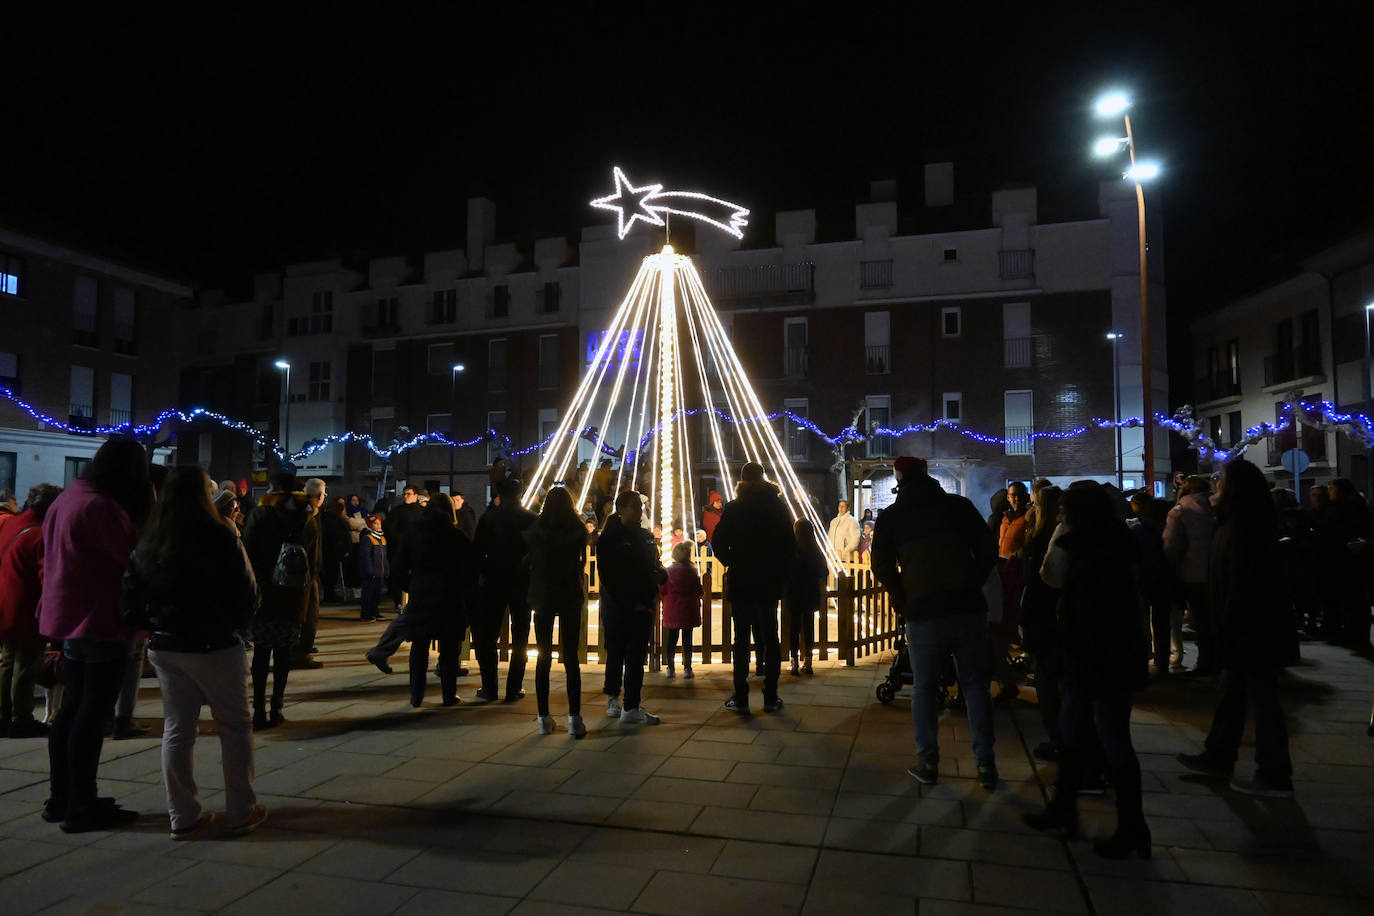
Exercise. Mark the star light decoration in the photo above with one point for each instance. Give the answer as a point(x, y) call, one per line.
point(649, 202)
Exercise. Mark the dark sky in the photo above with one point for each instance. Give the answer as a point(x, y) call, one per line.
point(209, 145)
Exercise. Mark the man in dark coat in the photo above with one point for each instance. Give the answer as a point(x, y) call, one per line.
point(397, 524)
point(629, 571)
point(501, 549)
point(755, 542)
point(933, 552)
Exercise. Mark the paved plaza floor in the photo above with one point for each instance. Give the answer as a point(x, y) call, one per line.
point(378, 809)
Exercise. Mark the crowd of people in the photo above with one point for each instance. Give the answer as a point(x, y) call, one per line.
point(1093, 585)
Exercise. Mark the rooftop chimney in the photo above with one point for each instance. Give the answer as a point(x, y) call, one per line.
point(481, 230)
point(939, 184)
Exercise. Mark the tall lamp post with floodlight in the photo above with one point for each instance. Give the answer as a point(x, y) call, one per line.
point(1368, 416)
point(1115, 338)
point(1112, 105)
point(453, 421)
point(285, 366)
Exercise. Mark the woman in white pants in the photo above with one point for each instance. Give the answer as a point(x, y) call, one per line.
point(190, 583)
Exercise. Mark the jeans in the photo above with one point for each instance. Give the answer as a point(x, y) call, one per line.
point(801, 629)
point(190, 680)
point(1200, 604)
point(627, 645)
point(928, 642)
point(17, 661)
point(372, 597)
point(1094, 723)
point(1240, 688)
point(306, 644)
point(133, 673)
point(397, 631)
point(449, 635)
point(569, 620)
point(670, 636)
point(496, 598)
point(94, 672)
point(1042, 642)
point(760, 617)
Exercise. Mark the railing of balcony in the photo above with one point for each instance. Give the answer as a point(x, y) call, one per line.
point(879, 447)
point(1016, 264)
point(1016, 352)
point(1300, 362)
point(875, 274)
point(878, 360)
point(796, 362)
point(1211, 388)
point(119, 416)
point(777, 283)
point(1019, 441)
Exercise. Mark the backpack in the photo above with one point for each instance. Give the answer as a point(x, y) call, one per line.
point(291, 569)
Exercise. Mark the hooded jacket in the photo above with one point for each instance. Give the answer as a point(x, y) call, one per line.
point(755, 542)
point(681, 597)
point(710, 516)
point(628, 567)
point(844, 534)
point(21, 568)
point(933, 551)
point(1188, 536)
point(280, 518)
point(87, 539)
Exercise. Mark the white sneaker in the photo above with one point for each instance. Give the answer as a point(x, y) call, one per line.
point(671, 672)
point(687, 674)
point(613, 707)
point(638, 716)
point(575, 726)
point(545, 724)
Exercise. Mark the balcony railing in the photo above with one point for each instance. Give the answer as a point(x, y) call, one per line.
point(1287, 365)
point(1214, 388)
point(1019, 441)
point(1016, 264)
point(879, 447)
point(1016, 352)
point(875, 274)
point(772, 283)
point(796, 362)
point(120, 416)
point(1313, 443)
point(81, 416)
point(877, 360)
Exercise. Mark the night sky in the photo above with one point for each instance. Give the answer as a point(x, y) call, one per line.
point(210, 145)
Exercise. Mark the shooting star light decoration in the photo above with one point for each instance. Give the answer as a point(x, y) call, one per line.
point(650, 202)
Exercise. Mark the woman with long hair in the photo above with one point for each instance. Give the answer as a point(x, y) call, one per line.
point(88, 534)
point(1039, 629)
point(558, 552)
point(1092, 560)
point(1257, 636)
point(190, 580)
point(436, 564)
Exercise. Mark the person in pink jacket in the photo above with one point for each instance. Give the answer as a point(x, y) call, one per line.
point(1188, 532)
point(88, 534)
point(681, 607)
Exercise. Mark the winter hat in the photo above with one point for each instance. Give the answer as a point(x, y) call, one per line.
point(223, 498)
point(752, 472)
point(713, 497)
point(907, 467)
point(372, 518)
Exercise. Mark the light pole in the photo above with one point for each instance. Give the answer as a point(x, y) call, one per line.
point(1369, 451)
point(452, 420)
point(1115, 338)
point(285, 366)
point(1109, 106)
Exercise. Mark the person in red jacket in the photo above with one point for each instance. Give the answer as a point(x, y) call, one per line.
point(681, 607)
point(21, 567)
point(710, 516)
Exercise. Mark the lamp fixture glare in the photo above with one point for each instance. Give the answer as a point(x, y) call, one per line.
point(1142, 171)
point(1113, 104)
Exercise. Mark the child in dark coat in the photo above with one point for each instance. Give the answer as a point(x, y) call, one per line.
point(373, 570)
point(805, 595)
point(681, 607)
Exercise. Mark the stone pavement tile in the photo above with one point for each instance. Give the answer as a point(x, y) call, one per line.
point(19, 779)
point(648, 851)
point(590, 782)
point(993, 847)
point(767, 826)
point(678, 894)
point(1337, 817)
point(1199, 806)
point(720, 750)
point(529, 803)
point(17, 855)
point(323, 893)
point(728, 735)
point(144, 765)
point(429, 769)
point(309, 772)
point(697, 792)
point(879, 781)
point(429, 902)
point(530, 907)
point(34, 756)
point(1131, 897)
point(777, 774)
point(390, 741)
point(203, 886)
point(695, 768)
point(890, 837)
point(910, 808)
point(603, 762)
point(1272, 836)
point(1003, 815)
point(642, 814)
point(827, 719)
point(893, 874)
point(105, 874)
point(815, 756)
point(1159, 867)
point(531, 755)
point(1280, 904)
point(592, 884)
point(830, 899)
point(765, 862)
point(14, 809)
point(374, 790)
point(660, 741)
point(549, 840)
point(1307, 874)
point(955, 908)
point(1003, 885)
point(474, 870)
point(362, 859)
point(793, 800)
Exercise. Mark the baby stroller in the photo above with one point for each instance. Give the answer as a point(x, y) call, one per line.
point(900, 674)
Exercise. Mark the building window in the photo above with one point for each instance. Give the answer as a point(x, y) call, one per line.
point(496, 365)
point(441, 359)
point(953, 406)
point(318, 388)
point(124, 325)
point(498, 303)
point(443, 308)
point(73, 469)
point(951, 254)
point(121, 398)
point(1016, 335)
point(85, 312)
point(877, 348)
point(11, 274)
point(794, 348)
point(496, 422)
point(547, 298)
point(383, 374)
point(267, 321)
point(797, 437)
point(951, 321)
point(82, 411)
point(1233, 361)
point(319, 321)
point(1018, 422)
point(381, 428)
point(9, 470)
point(548, 422)
point(548, 361)
point(9, 372)
point(441, 423)
point(388, 314)
point(1234, 427)
point(879, 410)
point(1214, 428)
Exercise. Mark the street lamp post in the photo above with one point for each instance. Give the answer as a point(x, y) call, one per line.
point(1115, 338)
point(1109, 106)
point(452, 420)
point(285, 366)
point(1369, 450)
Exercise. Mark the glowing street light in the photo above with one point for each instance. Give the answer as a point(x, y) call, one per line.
point(453, 420)
point(285, 366)
point(1115, 338)
point(1143, 171)
point(1369, 460)
point(1108, 146)
point(1112, 104)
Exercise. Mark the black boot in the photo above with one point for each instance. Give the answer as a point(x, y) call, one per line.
point(1126, 840)
point(1056, 818)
